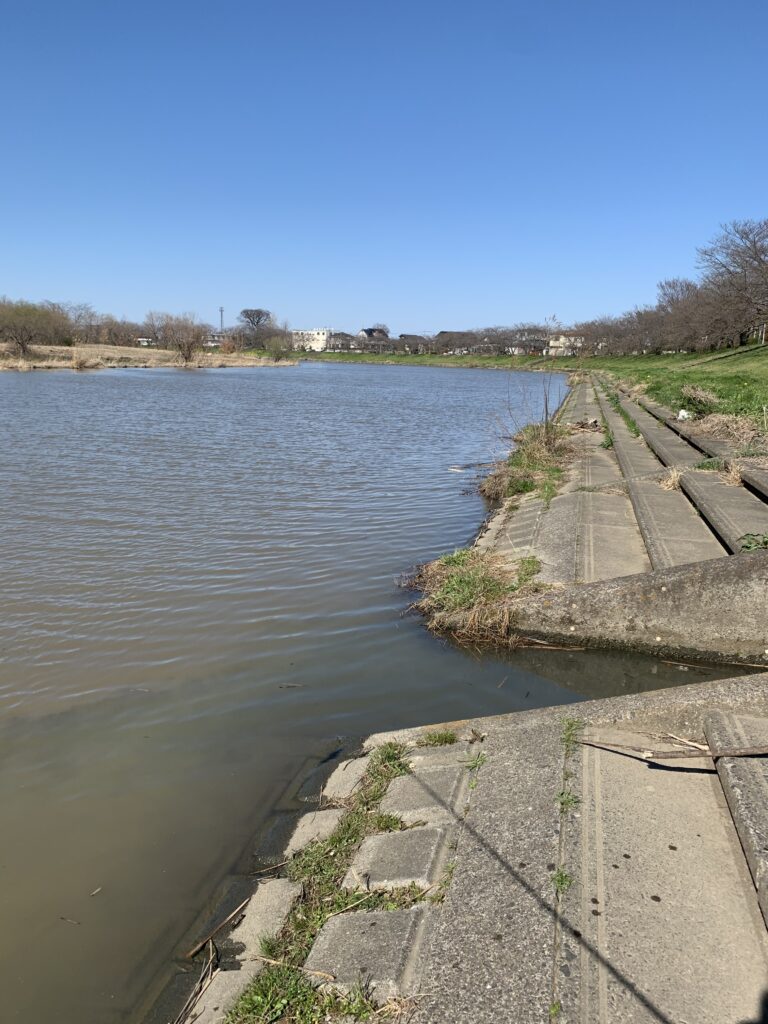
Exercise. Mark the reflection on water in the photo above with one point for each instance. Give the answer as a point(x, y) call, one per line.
point(199, 592)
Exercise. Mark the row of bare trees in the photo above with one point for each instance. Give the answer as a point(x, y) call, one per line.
point(24, 324)
point(726, 306)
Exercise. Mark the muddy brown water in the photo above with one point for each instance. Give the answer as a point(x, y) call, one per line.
point(199, 593)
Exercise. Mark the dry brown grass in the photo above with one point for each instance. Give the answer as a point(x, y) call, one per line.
point(92, 357)
point(732, 474)
point(535, 464)
point(701, 400)
point(671, 480)
point(739, 429)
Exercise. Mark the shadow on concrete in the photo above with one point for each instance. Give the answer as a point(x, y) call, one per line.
point(557, 918)
point(763, 1018)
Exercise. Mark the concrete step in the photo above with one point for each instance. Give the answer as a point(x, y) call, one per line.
point(711, 446)
point(662, 922)
point(732, 512)
point(670, 448)
point(416, 856)
point(745, 784)
point(672, 531)
point(757, 478)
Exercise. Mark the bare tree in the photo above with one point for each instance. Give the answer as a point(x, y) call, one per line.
point(256, 319)
point(24, 323)
point(182, 334)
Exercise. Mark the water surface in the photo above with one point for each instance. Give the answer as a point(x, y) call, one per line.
point(199, 593)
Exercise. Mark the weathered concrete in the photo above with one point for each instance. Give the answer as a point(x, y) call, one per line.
point(345, 779)
point(745, 784)
point(429, 797)
point(264, 916)
point(379, 949)
point(671, 449)
point(710, 609)
point(661, 917)
point(397, 859)
point(732, 511)
point(424, 759)
point(313, 827)
point(673, 532)
point(490, 957)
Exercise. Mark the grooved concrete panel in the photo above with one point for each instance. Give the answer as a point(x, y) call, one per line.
point(397, 859)
point(379, 949)
point(745, 784)
point(732, 511)
point(430, 797)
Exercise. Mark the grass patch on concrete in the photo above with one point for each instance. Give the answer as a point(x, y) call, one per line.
point(536, 464)
point(283, 991)
point(469, 579)
point(437, 738)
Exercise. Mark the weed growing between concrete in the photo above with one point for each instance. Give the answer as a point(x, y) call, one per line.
point(562, 880)
point(613, 398)
point(438, 738)
point(283, 991)
point(536, 465)
point(754, 542)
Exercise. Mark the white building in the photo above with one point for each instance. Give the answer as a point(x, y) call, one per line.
point(312, 341)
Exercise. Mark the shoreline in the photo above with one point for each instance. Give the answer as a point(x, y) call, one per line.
point(85, 358)
point(685, 565)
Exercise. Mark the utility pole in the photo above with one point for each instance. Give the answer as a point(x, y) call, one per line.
point(221, 319)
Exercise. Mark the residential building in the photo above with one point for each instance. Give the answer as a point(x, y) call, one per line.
point(312, 341)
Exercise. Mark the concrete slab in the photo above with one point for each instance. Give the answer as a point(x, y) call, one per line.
point(379, 949)
point(490, 958)
point(313, 827)
point(431, 797)
point(670, 448)
point(661, 923)
point(714, 609)
point(397, 859)
point(345, 779)
point(745, 784)
point(424, 759)
point(264, 916)
point(732, 511)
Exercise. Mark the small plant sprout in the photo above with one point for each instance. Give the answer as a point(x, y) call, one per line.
point(562, 881)
point(567, 800)
point(474, 764)
point(438, 738)
point(570, 734)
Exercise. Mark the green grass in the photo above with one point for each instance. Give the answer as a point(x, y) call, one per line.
point(438, 738)
point(283, 992)
point(741, 384)
point(570, 734)
point(391, 359)
point(718, 465)
point(468, 577)
point(562, 881)
point(566, 800)
point(754, 542)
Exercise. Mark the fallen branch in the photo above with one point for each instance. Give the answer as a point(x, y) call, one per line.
point(196, 949)
point(294, 967)
point(667, 755)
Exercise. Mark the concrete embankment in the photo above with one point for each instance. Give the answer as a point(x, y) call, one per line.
point(585, 864)
point(648, 546)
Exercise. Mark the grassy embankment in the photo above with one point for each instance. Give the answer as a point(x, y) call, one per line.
point(467, 362)
point(98, 357)
point(738, 380)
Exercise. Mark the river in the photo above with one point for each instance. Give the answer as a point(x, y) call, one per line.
point(199, 596)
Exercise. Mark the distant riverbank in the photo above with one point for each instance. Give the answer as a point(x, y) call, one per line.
point(101, 357)
point(465, 362)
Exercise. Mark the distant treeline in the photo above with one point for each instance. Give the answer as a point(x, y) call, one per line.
point(727, 305)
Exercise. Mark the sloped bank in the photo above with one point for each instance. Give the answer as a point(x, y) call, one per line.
point(597, 545)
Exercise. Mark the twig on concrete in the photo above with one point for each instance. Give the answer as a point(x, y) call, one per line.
point(272, 867)
point(666, 755)
point(196, 949)
point(295, 967)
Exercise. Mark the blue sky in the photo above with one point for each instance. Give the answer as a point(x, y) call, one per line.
point(429, 164)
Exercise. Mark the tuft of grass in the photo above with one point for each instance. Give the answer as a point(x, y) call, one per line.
point(671, 479)
point(570, 733)
point(555, 1009)
point(716, 465)
point(474, 764)
point(438, 738)
point(536, 464)
point(562, 881)
point(470, 578)
point(754, 542)
point(567, 800)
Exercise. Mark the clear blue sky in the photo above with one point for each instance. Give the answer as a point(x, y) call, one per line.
point(427, 163)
